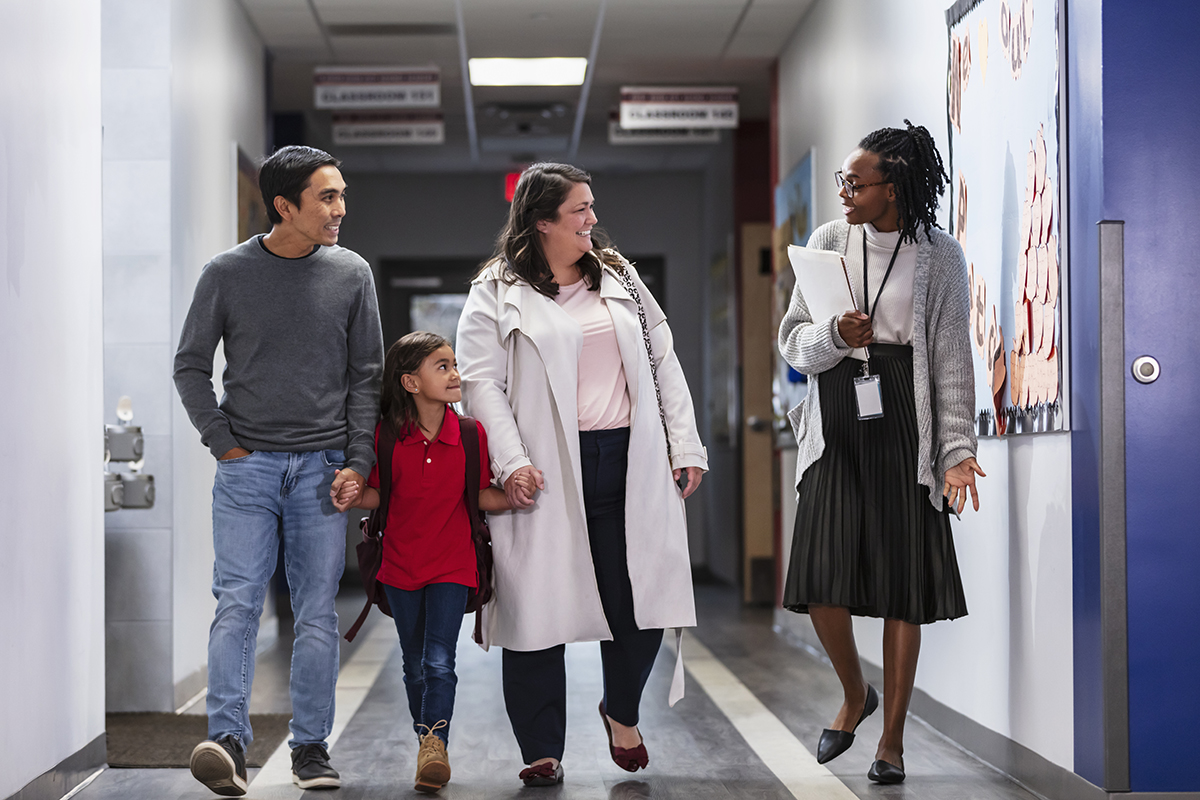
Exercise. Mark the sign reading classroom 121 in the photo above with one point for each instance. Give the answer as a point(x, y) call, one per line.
point(377, 87)
point(679, 107)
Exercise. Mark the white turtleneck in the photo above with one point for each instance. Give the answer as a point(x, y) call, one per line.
point(893, 322)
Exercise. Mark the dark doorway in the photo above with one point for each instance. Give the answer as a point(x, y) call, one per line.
point(424, 294)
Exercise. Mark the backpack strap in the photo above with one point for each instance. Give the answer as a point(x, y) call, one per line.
point(387, 445)
point(376, 522)
point(469, 432)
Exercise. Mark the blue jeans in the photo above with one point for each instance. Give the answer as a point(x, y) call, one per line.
point(258, 501)
point(428, 621)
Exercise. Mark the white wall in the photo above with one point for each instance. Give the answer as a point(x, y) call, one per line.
point(136, 107)
point(851, 67)
point(218, 97)
point(182, 82)
point(51, 578)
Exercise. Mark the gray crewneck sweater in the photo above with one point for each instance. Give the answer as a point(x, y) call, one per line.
point(943, 373)
point(303, 352)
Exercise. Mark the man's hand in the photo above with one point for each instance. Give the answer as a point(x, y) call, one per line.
point(694, 474)
point(521, 486)
point(855, 329)
point(346, 488)
point(959, 479)
point(237, 452)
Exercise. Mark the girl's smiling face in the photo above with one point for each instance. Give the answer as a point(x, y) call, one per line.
point(437, 378)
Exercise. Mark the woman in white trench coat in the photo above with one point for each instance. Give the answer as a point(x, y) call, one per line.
point(554, 363)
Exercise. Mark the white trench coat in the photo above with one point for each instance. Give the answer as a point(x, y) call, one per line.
point(518, 355)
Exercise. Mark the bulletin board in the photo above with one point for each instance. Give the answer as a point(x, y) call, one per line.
point(1006, 178)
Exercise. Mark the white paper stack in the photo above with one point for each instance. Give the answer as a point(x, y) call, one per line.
point(823, 281)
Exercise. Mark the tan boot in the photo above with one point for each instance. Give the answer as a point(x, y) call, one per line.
point(433, 765)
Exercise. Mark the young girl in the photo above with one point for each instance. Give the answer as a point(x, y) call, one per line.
point(428, 556)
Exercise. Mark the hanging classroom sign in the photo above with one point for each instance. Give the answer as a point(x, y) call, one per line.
point(621, 136)
point(1004, 167)
point(388, 127)
point(679, 107)
point(377, 87)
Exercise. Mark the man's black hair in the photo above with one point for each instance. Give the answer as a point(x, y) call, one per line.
point(909, 160)
point(287, 172)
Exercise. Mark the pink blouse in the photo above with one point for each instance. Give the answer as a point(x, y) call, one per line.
point(602, 393)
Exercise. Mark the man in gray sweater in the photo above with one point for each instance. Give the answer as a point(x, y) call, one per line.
point(299, 319)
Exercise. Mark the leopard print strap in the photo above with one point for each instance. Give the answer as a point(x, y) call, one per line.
point(631, 287)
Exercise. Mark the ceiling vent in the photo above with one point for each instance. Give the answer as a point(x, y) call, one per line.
point(525, 112)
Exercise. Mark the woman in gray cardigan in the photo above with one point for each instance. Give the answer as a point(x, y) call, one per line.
point(872, 535)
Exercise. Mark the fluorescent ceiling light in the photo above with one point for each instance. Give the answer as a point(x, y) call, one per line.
point(527, 71)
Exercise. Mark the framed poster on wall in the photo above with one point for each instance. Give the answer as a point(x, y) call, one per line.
point(795, 219)
point(1006, 174)
point(251, 210)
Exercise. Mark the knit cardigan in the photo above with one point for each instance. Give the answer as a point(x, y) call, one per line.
point(943, 372)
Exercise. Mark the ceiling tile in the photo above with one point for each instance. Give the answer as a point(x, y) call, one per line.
point(334, 12)
point(285, 25)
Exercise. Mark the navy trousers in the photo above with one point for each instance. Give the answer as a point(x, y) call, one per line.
point(535, 682)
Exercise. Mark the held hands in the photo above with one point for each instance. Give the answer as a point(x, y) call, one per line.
point(522, 485)
point(959, 478)
point(855, 329)
point(694, 474)
point(346, 489)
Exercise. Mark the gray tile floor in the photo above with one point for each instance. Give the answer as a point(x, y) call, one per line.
point(695, 752)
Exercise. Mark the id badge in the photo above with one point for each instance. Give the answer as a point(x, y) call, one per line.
point(868, 395)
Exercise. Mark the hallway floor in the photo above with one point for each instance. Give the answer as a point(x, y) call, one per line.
point(754, 709)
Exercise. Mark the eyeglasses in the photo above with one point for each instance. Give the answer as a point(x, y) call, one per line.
point(851, 188)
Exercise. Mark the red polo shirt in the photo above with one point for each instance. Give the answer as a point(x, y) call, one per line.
point(427, 537)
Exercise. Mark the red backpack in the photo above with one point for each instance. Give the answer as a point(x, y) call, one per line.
point(370, 549)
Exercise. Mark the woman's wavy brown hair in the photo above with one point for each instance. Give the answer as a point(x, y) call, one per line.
point(540, 191)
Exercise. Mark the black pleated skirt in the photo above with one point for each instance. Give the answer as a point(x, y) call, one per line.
point(866, 535)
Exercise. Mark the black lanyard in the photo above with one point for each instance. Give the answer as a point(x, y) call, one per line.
point(870, 309)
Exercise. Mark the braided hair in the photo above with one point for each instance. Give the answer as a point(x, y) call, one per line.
point(909, 160)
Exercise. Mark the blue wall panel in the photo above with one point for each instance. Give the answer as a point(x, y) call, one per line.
point(1152, 181)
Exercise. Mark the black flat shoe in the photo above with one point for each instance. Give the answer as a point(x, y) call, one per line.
point(883, 772)
point(834, 743)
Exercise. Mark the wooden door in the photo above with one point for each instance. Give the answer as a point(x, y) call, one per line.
point(758, 441)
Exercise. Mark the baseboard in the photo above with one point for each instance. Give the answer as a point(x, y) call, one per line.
point(1014, 760)
point(69, 773)
point(190, 686)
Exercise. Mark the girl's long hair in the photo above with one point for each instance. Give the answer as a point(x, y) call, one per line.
point(396, 404)
point(541, 189)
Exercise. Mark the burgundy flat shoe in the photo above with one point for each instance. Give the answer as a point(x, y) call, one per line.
point(630, 759)
point(545, 774)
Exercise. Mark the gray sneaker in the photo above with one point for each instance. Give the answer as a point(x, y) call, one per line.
point(221, 766)
point(311, 770)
